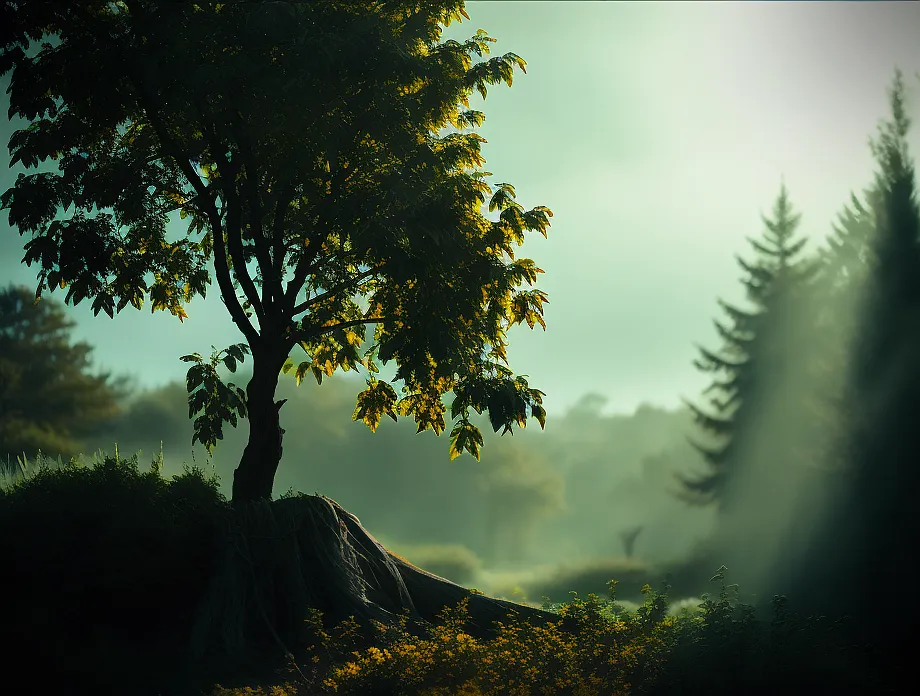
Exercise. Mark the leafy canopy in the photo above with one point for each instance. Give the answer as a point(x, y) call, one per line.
point(326, 146)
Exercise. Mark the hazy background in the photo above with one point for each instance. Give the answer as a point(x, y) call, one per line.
point(657, 133)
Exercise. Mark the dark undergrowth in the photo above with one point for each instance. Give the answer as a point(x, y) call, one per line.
point(106, 564)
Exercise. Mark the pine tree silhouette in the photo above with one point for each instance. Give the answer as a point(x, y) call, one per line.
point(759, 348)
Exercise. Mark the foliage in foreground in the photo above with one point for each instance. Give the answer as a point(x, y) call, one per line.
point(105, 600)
point(105, 565)
point(721, 650)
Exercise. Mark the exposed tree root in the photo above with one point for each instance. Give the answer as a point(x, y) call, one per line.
point(282, 557)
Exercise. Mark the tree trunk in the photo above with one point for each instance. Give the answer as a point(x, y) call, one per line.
point(283, 557)
point(255, 475)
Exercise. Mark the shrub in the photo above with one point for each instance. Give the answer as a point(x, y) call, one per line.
point(105, 565)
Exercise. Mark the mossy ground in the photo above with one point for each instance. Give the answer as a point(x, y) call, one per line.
point(106, 565)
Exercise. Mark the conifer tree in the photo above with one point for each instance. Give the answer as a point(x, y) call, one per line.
point(760, 347)
point(840, 296)
point(849, 246)
point(875, 522)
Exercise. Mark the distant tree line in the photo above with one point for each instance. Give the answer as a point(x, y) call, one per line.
point(48, 399)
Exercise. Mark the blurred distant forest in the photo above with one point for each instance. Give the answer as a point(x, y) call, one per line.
point(567, 491)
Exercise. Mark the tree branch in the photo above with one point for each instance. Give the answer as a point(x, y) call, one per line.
point(279, 251)
point(271, 285)
point(172, 148)
point(234, 220)
point(305, 267)
point(299, 336)
point(303, 306)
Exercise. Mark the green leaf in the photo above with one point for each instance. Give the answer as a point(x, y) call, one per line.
point(302, 371)
point(539, 413)
point(465, 437)
point(502, 198)
point(377, 400)
point(194, 378)
point(457, 406)
point(237, 352)
point(197, 401)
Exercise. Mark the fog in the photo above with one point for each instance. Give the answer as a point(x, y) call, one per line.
point(545, 501)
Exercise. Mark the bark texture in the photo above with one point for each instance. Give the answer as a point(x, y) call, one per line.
point(254, 477)
point(282, 557)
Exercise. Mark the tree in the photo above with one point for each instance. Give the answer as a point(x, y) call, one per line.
point(324, 155)
point(263, 126)
point(840, 296)
point(893, 286)
point(48, 401)
point(760, 351)
point(849, 246)
point(875, 519)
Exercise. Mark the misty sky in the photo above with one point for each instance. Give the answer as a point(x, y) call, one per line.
point(657, 133)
